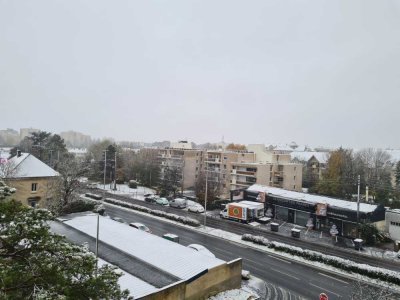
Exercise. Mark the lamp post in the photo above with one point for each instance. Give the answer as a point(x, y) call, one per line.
point(205, 198)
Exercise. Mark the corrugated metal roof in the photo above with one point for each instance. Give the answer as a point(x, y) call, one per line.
point(168, 256)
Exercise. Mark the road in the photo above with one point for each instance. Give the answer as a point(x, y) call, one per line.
point(240, 229)
point(287, 279)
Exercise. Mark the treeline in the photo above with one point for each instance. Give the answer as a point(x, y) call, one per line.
point(377, 173)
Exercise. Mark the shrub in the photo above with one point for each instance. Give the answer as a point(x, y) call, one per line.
point(78, 206)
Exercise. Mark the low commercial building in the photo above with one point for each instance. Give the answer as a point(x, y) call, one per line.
point(162, 269)
point(34, 181)
point(393, 224)
point(322, 212)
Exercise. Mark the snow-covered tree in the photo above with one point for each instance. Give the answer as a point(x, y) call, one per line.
point(37, 264)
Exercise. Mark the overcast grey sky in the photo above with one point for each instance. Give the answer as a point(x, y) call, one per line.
point(316, 72)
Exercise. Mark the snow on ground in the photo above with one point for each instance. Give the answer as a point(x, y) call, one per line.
point(238, 239)
point(250, 289)
point(137, 287)
point(124, 189)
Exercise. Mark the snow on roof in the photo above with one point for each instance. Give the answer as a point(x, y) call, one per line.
point(168, 256)
point(77, 150)
point(28, 165)
point(364, 207)
point(322, 157)
point(137, 287)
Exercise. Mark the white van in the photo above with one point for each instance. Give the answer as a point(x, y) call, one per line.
point(178, 203)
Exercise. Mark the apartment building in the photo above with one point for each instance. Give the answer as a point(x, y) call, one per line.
point(270, 167)
point(287, 176)
point(187, 161)
point(219, 165)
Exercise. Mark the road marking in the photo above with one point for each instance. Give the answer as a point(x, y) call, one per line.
point(254, 262)
point(219, 249)
point(334, 278)
point(284, 260)
point(325, 290)
point(285, 274)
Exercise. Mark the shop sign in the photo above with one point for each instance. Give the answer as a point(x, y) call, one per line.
point(321, 209)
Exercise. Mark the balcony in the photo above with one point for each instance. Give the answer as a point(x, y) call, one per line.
point(246, 173)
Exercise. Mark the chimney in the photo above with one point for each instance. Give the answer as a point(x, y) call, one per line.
point(18, 153)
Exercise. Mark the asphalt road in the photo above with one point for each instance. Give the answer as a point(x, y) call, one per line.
point(239, 228)
point(287, 279)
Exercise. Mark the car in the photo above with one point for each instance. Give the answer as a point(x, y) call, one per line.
point(201, 249)
point(120, 220)
point(140, 226)
point(162, 201)
point(196, 208)
point(178, 203)
point(150, 198)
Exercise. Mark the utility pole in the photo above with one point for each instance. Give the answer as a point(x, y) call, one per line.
point(358, 200)
point(105, 161)
point(205, 197)
point(97, 242)
point(115, 171)
point(366, 194)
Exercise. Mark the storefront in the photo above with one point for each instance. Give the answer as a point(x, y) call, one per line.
point(322, 212)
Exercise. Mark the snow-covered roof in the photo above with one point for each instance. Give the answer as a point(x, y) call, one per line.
point(26, 165)
point(137, 287)
point(322, 157)
point(364, 207)
point(77, 150)
point(170, 257)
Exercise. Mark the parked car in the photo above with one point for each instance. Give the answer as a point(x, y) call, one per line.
point(120, 220)
point(162, 201)
point(178, 203)
point(201, 249)
point(150, 198)
point(196, 208)
point(140, 226)
point(91, 185)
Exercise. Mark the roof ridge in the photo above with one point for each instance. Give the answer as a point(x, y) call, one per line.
point(16, 166)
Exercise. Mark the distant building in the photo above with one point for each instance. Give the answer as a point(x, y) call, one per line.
point(34, 180)
point(75, 139)
point(24, 132)
point(181, 145)
point(220, 164)
point(78, 152)
point(271, 166)
point(314, 164)
point(9, 137)
point(186, 161)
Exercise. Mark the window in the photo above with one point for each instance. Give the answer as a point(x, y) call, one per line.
point(295, 168)
point(294, 177)
point(225, 157)
point(294, 187)
point(34, 187)
point(223, 175)
point(224, 166)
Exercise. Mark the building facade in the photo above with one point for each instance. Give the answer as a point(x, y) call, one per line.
point(35, 182)
point(187, 162)
point(319, 211)
point(219, 166)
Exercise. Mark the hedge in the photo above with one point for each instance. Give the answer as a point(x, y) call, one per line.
point(341, 263)
point(159, 213)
